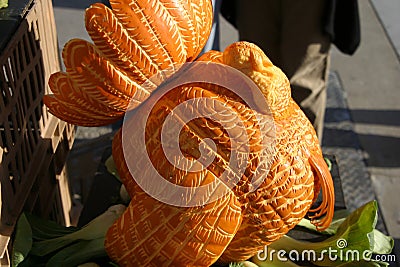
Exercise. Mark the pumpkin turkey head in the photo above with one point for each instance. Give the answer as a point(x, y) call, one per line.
point(251, 61)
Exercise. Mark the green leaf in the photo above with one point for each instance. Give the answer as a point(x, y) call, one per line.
point(355, 237)
point(364, 263)
point(235, 264)
point(361, 222)
point(243, 264)
point(337, 220)
point(329, 163)
point(3, 3)
point(381, 244)
point(78, 253)
point(272, 260)
point(45, 229)
point(112, 168)
point(22, 242)
point(96, 228)
point(248, 264)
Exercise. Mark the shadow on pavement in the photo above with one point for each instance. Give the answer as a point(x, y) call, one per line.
point(387, 146)
point(379, 117)
point(77, 4)
point(345, 137)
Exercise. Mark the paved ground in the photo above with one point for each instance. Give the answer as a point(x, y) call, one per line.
point(371, 79)
point(363, 118)
point(387, 12)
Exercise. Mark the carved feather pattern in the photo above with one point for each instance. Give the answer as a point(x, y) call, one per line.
point(256, 218)
point(132, 42)
point(114, 41)
point(151, 233)
point(297, 172)
point(97, 77)
point(72, 102)
point(263, 216)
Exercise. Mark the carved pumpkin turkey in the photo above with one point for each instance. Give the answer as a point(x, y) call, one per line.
point(133, 42)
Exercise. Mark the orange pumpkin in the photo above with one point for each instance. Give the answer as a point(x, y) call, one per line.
point(132, 42)
point(235, 227)
point(136, 40)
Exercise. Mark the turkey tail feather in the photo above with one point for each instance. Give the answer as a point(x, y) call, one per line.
point(328, 195)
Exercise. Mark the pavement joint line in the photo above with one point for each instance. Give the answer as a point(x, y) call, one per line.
point(341, 140)
point(393, 35)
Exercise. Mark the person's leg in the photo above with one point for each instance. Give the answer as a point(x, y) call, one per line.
point(258, 21)
point(290, 33)
point(213, 39)
point(305, 56)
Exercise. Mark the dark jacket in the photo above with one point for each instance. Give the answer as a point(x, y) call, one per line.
point(343, 25)
point(341, 22)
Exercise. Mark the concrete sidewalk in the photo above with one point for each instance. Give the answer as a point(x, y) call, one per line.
point(371, 79)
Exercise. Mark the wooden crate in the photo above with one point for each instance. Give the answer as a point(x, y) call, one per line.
point(33, 143)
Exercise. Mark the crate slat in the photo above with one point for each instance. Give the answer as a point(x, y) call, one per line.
point(33, 143)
